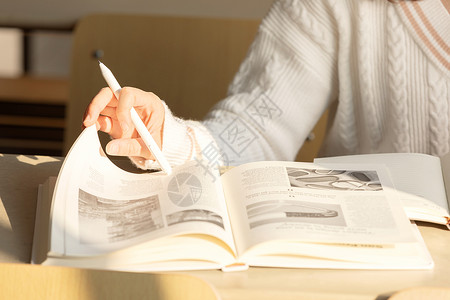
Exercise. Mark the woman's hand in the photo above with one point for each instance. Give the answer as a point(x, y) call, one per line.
point(113, 117)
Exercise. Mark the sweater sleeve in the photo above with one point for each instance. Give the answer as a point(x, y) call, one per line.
point(282, 88)
point(286, 82)
point(183, 140)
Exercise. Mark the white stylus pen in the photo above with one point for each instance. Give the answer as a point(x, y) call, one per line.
point(140, 127)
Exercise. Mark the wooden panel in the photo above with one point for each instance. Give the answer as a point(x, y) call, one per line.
point(63, 14)
point(31, 121)
point(31, 128)
point(35, 90)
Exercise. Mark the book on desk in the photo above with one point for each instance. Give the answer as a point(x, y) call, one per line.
point(261, 214)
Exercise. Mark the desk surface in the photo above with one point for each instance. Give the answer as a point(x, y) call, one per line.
point(19, 179)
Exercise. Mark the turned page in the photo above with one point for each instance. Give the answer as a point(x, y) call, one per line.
point(288, 201)
point(99, 208)
point(417, 177)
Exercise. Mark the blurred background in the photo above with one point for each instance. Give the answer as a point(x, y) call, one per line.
point(35, 52)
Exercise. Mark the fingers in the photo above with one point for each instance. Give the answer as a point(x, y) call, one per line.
point(128, 147)
point(129, 98)
point(149, 108)
point(113, 117)
point(104, 98)
point(105, 124)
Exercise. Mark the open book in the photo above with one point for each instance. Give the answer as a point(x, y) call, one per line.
point(272, 214)
point(422, 182)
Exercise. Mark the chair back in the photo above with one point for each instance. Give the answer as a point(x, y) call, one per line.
point(188, 62)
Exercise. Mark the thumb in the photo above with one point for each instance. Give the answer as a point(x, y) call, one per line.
point(125, 147)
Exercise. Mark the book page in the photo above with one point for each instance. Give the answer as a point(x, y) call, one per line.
point(445, 166)
point(418, 177)
point(99, 207)
point(40, 236)
point(309, 203)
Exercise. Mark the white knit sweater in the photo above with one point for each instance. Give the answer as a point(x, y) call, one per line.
point(383, 68)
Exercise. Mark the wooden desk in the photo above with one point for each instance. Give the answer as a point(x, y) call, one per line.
point(19, 179)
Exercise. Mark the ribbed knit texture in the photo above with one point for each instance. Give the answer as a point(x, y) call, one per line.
point(384, 66)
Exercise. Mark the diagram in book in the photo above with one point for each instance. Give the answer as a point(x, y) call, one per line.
point(334, 179)
point(119, 219)
point(195, 215)
point(273, 211)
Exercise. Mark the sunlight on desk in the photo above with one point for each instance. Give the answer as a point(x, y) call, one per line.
point(35, 160)
point(422, 293)
point(39, 282)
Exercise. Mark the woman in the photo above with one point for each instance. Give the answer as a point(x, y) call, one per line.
point(382, 67)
